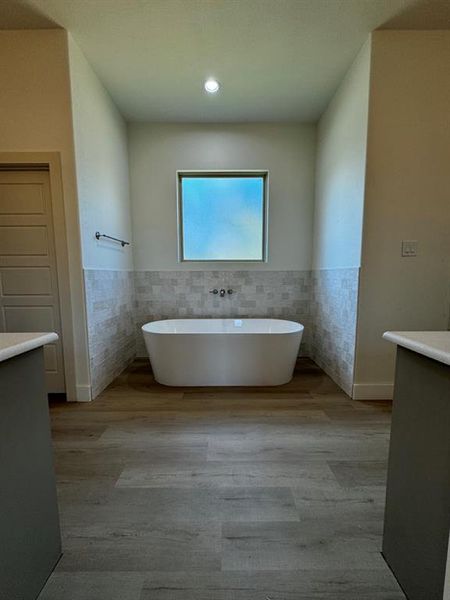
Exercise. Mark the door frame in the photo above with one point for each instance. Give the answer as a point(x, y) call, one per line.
point(51, 162)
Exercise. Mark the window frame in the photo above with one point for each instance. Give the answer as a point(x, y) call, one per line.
point(263, 173)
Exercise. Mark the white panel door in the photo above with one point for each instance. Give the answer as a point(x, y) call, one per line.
point(29, 299)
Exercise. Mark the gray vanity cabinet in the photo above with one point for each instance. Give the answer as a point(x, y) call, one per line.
point(30, 543)
point(417, 518)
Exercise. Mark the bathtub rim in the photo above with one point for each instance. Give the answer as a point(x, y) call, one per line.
point(296, 329)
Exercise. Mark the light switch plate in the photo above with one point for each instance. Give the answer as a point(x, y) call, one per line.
point(409, 248)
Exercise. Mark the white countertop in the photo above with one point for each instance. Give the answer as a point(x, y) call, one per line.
point(434, 344)
point(13, 344)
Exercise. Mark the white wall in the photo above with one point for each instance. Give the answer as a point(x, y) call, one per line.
point(102, 167)
point(340, 170)
point(35, 116)
point(158, 150)
point(338, 218)
point(407, 197)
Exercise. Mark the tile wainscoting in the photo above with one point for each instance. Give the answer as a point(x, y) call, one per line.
point(110, 303)
point(185, 294)
point(334, 299)
point(119, 302)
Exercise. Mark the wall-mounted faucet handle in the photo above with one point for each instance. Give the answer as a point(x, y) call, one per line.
point(229, 291)
point(222, 293)
point(214, 291)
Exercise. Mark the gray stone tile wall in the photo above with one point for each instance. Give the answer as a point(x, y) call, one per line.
point(120, 302)
point(110, 304)
point(185, 294)
point(334, 298)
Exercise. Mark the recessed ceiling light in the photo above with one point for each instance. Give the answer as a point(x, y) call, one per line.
point(211, 86)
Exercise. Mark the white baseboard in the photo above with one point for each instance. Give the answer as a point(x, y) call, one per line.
point(373, 391)
point(83, 393)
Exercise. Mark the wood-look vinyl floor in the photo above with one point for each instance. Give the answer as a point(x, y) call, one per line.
point(221, 493)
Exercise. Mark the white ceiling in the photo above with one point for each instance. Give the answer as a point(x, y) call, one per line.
point(277, 60)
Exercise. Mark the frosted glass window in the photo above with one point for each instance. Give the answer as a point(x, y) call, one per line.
point(222, 217)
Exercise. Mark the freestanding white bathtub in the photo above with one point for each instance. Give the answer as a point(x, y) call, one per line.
point(199, 352)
